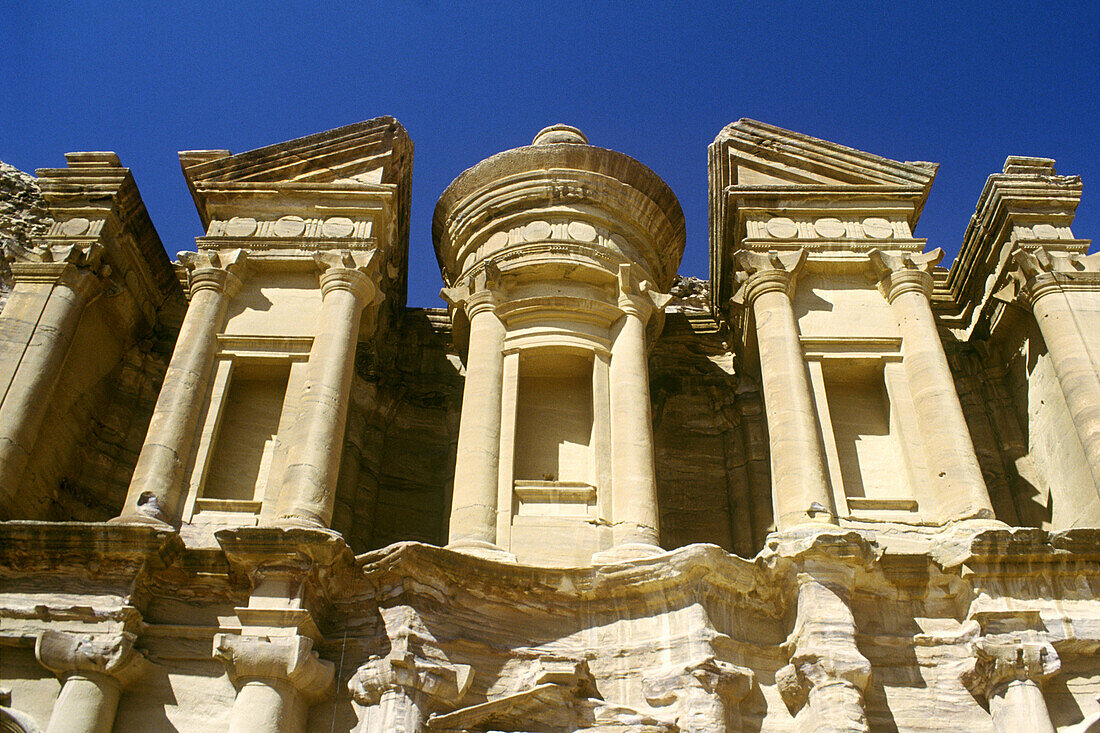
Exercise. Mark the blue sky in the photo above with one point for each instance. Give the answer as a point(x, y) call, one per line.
point(963, 84)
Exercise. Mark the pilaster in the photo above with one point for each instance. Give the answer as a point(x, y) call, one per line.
point(474, 503)
point(1051, 284)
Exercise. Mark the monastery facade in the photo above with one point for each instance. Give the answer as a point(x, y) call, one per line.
point(838, 488)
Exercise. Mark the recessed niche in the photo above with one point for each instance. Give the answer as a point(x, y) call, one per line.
point(554, 418)
point(867, 436)
point(245, 444)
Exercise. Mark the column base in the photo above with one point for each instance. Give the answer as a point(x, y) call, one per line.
point(482, 549)
point(626, 552)
point(143, 520)
point(300, 522)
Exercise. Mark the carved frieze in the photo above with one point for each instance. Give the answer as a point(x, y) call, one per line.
point(827, 228)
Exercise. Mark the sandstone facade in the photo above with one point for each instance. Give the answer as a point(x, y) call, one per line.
point(837, 488)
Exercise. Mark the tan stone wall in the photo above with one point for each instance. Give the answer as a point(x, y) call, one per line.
point(865, 586)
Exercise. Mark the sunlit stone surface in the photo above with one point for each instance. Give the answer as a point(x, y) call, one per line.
point(838, 487)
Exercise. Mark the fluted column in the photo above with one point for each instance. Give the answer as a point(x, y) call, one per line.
point(477, 462)
point(94, 669)
point(401, 690)
point(308, 493)
point(71, 282)
point(1044, 282)
point(156, 491)
point(1008, 673)
point(634, 511)
point(705, 695)
point(955, 476)
point(800, 485)
point(278, 679)
point(824, 684)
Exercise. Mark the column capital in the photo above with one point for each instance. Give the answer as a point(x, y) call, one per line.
point(1038, 273)
point(355, 272)
point(481, 290)
point(79, 267)
point(762, 272)
point(415, 663)
point(443, 682)
point(636, 296)
point(1003, 658)
point(714, 677)
point(905, 272)
point(809, 670)
point(222, 271)
point(289, 659)
point(111, 654)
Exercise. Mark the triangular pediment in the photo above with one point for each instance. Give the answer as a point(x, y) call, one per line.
point(755, 154)
point(373, 151)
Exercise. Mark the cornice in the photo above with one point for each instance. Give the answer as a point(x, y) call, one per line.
point(600, 188)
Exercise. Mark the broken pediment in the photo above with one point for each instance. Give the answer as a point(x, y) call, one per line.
point(374, 153)
point(773, 189)
point(753, 154)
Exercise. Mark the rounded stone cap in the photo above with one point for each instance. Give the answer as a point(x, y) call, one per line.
point(561, 169)
point(560, 133)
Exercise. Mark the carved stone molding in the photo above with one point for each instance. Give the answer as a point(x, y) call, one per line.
point(76, 266)
point(482, 290)
point(289, 659)
point(356, 272)
point(287, 569)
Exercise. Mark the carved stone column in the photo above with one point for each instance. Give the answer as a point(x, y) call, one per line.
point(308, 494)
point(277, 678)
point(61, 285)
point(156, 490)
point(1044, 280)
point(960, 490)
point(824, 684)
point(402, 690)
point(800, 485)
point(636, 530)
point(705, 695)
point(1009, 671)
point(94, 669)
point(473, 523)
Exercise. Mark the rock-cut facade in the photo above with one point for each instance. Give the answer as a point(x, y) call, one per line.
point(840, 487)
